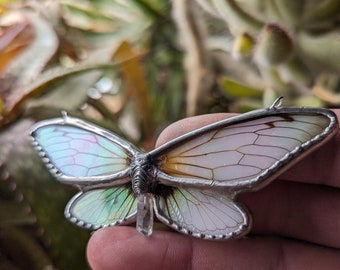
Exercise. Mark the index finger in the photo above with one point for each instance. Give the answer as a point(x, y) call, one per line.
point(318, 167)
point(124, 248)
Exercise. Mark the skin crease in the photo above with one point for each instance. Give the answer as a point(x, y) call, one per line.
point(296, 221)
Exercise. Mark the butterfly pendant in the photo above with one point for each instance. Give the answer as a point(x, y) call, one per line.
point(189, 183)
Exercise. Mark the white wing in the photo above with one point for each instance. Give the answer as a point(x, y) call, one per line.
point(201, 213)
point(77, 152)
point(243, 152)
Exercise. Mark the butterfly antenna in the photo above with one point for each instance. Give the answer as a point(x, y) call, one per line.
point(277, 103)
point(64, 115)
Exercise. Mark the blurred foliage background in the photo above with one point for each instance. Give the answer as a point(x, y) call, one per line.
point(134, 67)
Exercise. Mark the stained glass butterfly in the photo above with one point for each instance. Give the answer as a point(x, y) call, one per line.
point(191, 182)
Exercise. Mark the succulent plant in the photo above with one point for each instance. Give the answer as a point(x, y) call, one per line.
point(119, 63)
point(282, 48)
point(84, 57)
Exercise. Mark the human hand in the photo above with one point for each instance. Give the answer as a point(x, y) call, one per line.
point(296, 223)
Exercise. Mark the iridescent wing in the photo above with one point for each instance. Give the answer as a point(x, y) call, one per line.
point(196, 176)
point(97, 161)
point(202, 172)
point(243, 152)
point(201, 213)
point(80, 153)
point(98, 208)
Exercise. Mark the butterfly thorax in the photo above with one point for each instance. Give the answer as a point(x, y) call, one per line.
point(142, 174)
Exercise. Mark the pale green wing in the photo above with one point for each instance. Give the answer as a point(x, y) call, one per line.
point(98, 208)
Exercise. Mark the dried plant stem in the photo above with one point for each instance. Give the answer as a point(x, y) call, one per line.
point(198, 64)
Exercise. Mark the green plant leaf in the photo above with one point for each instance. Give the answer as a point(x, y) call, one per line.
point(237, 89)
point(321, 51)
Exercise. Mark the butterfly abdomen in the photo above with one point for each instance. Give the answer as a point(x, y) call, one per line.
point(142, 174)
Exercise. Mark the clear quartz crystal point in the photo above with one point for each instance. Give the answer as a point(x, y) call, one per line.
point(145, 214)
